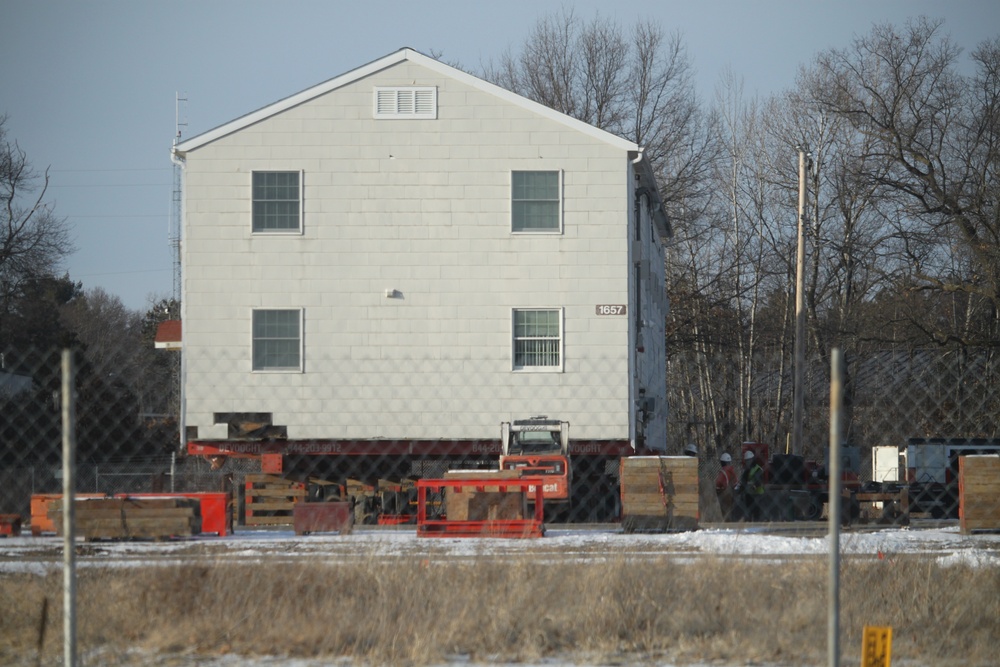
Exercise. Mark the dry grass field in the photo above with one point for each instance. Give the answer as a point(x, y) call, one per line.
point(711, 610)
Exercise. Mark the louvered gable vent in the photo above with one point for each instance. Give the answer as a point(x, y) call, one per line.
point(406, 102)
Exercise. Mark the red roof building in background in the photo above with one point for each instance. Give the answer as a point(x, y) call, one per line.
point(168, 335)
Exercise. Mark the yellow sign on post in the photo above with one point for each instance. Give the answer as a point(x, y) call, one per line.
point(876, 647)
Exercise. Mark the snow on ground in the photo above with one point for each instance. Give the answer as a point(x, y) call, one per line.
point(771, 541)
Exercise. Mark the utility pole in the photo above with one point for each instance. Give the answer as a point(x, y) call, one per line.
point(175, 209)
point(800, 311)
point(176, 404)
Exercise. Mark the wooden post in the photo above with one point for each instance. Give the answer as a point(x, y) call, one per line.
point(800, 313)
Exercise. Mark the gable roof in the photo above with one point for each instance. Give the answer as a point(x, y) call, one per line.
point(168, 335)
point(404, 54)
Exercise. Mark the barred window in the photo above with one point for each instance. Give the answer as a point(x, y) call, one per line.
point(277, 199)
point(537, 339)
point(535, 201)
point(277, 340)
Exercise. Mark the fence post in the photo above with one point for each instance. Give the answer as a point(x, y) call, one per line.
point(836, 408)
point(69, 509)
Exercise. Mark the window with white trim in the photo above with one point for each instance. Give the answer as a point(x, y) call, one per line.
point(277, 201)
point(535, 201)
point(537, 338)
point(277, 340)
point(406, 102)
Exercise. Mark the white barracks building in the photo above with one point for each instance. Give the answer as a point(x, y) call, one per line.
point(408, 252)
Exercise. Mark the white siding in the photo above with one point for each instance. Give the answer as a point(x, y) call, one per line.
point(422, 207)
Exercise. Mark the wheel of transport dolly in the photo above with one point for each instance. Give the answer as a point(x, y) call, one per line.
point(813, 510)
point(613, 504)
point(556, 513)
point(854, 509)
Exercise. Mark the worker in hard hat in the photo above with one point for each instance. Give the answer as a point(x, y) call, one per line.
point(725, 485)
point(750, 488)
point(691, 449)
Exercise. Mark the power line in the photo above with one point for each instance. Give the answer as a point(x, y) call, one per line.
point(118, 215)
point(117, 273)
point(109, 185)
point(95, 171)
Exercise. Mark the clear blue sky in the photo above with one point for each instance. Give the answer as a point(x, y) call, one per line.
point(89, 87)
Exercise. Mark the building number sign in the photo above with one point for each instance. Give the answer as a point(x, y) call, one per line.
point(611, 310)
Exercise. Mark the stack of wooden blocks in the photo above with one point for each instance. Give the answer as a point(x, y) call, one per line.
point(659, 493)
point(489, 504)
point(130, 518)
point(979, 493)
point(270, 499)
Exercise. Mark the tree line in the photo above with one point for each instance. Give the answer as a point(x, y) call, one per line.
point(902, 230)
point(126, 390)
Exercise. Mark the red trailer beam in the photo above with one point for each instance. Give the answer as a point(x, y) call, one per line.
point(527, 527)
point(416, 448)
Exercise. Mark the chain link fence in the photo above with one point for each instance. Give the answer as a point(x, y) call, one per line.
point(908, 418)
point(919, 449)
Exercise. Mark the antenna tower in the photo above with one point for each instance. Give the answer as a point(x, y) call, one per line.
point(174, 232)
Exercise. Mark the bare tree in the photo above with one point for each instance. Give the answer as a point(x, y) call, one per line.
point(666, 119)
point(33, 240)
point(638, 85)
point(548, 68)
point(934, 150)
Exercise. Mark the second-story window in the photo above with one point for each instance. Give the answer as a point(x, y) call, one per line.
point(277, 201)
point(536, 203)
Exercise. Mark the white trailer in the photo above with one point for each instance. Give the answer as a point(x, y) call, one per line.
point(932, 471)
point(936, 459)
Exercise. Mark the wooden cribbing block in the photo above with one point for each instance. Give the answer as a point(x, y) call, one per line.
point(269, 499)
point(659, 493)
point(979, 493)
point(126, 518)
point(40, 522)
point(487, 503)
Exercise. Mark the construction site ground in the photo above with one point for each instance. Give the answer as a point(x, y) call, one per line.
point(932, 539)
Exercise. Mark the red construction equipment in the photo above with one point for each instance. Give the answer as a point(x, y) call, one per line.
point(10, 524)
point(539, 447)
point(214, 509)
point(524, 527)
point(216, 516)
point(323, 517)
point(379, 473)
